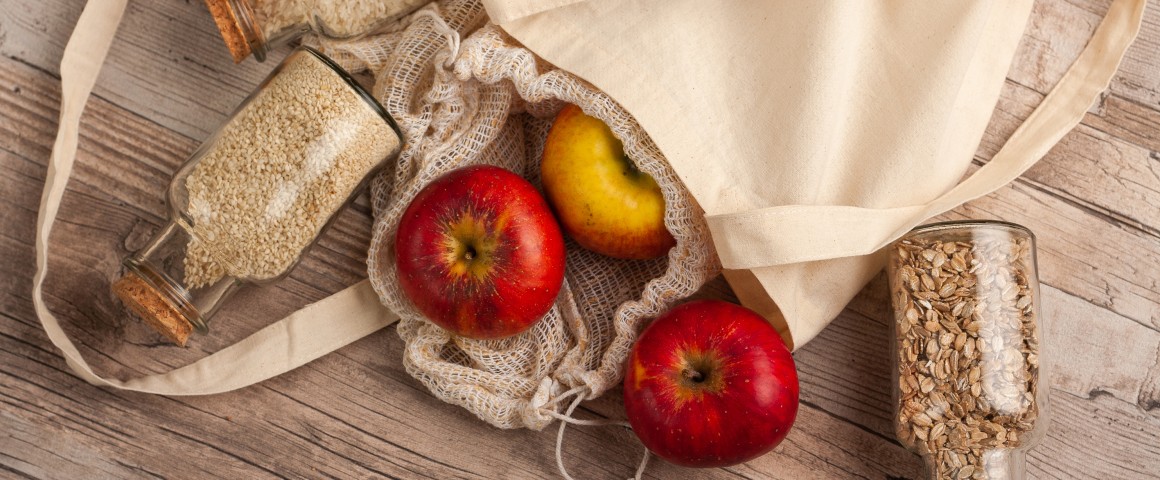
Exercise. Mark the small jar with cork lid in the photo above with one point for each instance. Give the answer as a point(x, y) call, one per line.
point(258, 193)
point(257, 26)
point(970, 387)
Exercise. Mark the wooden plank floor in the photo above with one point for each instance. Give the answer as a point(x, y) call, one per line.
point(1093, 203)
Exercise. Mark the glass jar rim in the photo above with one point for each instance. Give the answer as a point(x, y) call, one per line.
point(358, 88)
point(957, 224)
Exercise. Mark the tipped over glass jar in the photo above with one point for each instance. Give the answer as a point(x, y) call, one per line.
point(258, 193)
point(968, 332)
point(256, 26)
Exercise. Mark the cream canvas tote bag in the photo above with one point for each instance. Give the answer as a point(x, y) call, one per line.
point(815, 133)
point(811, 134)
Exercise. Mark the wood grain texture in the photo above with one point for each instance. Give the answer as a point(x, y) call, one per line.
point(356, 413)
point(167, 65)
point(330, 395)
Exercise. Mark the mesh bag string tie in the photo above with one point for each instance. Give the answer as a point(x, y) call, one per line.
point(440, 26)
point(567, 418)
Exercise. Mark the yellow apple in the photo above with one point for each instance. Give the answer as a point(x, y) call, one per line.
point(602, 200)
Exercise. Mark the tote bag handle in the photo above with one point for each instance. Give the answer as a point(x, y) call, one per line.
point(803, 232)
point(789, 234)
point(303, 336)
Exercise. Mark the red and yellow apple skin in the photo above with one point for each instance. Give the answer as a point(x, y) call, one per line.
point(479, 253)
point(603, 202)
point(710, 384)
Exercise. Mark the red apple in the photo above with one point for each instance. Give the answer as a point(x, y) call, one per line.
point(479, 253)
point(710, 384)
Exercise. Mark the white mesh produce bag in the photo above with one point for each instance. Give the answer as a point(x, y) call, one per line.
point(487, 100)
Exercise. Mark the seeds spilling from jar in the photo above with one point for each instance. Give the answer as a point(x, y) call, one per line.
point(968, 362)
point(280, 169)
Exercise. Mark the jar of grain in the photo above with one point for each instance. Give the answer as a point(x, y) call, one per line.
point(968, 332)
point(256, 26)
point(258, 193)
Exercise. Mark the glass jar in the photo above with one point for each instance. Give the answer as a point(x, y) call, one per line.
point(256, 26)
point(258, 193)
point(968, 333)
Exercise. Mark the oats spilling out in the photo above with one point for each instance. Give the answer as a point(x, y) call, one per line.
point(968, 332)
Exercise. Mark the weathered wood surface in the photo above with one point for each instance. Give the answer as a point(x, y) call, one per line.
point(356, 413)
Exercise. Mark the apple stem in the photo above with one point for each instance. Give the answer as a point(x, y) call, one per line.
point(692, 375)
point(630, 167)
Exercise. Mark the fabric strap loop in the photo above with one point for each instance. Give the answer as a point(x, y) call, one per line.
point(299, 338)
point(767, 237)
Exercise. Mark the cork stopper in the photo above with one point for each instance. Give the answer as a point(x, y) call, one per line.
point(228, 23)
point(153, 307)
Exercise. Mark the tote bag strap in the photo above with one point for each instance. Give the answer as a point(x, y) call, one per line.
point(289, 343)
point(801, 233)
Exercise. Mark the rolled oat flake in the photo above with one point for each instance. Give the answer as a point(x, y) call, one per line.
point(258, 193)
point(968, 333)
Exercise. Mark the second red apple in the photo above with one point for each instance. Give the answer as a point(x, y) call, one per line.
point(710, 384)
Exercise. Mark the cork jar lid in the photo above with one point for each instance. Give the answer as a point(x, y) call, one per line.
point(154, 307)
